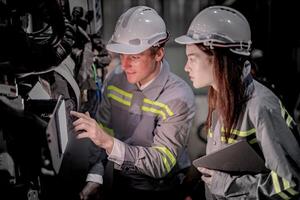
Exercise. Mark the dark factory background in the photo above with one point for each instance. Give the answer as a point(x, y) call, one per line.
point(25, 59)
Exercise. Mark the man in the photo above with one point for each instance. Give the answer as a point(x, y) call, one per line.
point(148, 109)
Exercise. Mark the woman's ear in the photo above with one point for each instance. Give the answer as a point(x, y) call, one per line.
point(160, 54)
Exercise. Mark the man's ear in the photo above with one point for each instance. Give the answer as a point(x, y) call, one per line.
point(160, 54)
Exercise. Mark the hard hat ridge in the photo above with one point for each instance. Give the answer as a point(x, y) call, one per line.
point(219, 26)
point(137, 29)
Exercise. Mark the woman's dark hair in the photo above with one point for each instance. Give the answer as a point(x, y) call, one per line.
point(229, 100)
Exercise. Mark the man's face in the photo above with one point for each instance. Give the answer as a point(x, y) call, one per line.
point(143, 67)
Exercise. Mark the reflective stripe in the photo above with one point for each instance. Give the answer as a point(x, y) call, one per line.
point(166, 163)
point(118, 90)
point(285, 115)
point(292, 191)
point(120, 100)
point(162, 105)
point(277, 186)
point(286, 184)
point(240, 133)
point(288, 187)
point(210, 133)
point(289, 120)
point(119, 95)
point(107, 130)
point(153, 110)
point(253, 141)
point(169, 155)
point(230, 140)
point(282, 109)
point(125, 94)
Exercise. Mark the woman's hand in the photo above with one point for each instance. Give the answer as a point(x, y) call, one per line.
point(207, 174)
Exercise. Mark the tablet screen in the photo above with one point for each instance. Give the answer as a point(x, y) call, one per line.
point(57, 134)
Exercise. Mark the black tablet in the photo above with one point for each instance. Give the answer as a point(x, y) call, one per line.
point(239, 157)
point(57, 133)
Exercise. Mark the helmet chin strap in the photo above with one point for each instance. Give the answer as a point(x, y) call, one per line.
point(241, 48)
point(162, 40)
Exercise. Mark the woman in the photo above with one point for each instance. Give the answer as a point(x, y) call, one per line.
point(218, 48)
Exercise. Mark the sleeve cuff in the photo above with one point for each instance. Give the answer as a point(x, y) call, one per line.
point(117, 154)
point(96, 178)
point(219, 183)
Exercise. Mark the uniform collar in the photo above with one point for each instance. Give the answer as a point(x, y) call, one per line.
point(247, 78)
point(149, 82)
point(154, 89)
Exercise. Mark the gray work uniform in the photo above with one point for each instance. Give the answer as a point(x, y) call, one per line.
point(151, 127)
point(271, 131)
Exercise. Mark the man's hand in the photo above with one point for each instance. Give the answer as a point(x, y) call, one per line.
point(90, 191)
point(86, 127)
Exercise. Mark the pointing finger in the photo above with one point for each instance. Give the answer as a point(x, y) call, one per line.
point(78, 114)
point(87, 114)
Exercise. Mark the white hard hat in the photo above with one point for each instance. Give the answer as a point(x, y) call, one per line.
point(219, 26)
point(138, 29)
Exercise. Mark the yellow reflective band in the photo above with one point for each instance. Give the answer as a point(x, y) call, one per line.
point(292, 191)
point(153, 110)
point(210, 133)
point(286, 184)
point(118, 90)
point(282, 109)
point(167, 152)
point(107, 130)
point(166, 164)
point(240, 133)
point(289, 120)
point(277, 186)
point(230, 140)
point(253, 141)
point(118, 99)
point(288, 187)
point(156, 103)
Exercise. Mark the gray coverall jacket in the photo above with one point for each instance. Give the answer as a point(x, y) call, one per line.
point(151, 127)
point(271, 131)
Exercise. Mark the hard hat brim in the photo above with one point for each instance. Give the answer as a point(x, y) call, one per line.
point(185, 39)
point(126, 49)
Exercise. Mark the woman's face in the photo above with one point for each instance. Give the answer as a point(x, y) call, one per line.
point(199, 66)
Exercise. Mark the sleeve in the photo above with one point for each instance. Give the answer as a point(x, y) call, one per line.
point(96, 173)
point(281, 152)
point(170, 140)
